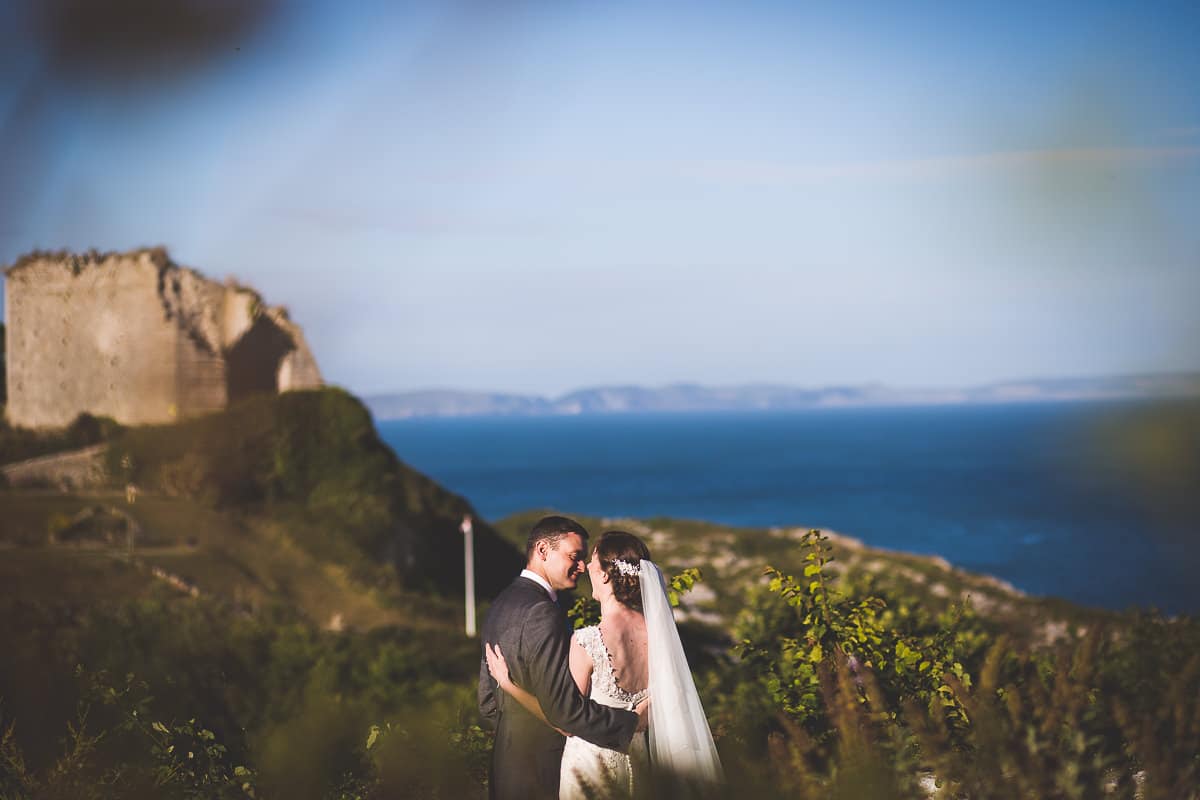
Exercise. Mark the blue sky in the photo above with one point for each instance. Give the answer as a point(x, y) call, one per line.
point(537, 197)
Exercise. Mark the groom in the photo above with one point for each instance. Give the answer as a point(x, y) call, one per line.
point(531, 631)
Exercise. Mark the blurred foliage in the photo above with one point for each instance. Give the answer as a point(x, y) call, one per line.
point(827, 692)
point(174, 698)
point(1153, 454)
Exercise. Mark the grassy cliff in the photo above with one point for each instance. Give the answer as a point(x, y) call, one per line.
point(278, 582)
point(289, 501)
point(313, 463)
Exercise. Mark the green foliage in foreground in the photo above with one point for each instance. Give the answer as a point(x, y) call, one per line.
point(834, 696)
point(184, 698)
point(827, 692)
point(796, 626)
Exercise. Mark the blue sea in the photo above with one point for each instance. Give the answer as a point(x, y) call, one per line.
point(1042, 496)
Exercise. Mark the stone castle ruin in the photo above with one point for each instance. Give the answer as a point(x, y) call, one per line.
point(135, 337)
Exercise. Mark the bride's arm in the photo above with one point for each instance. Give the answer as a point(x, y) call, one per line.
point(499, 669)
point(581, 666)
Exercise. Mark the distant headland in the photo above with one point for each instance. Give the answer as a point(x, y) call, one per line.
point(684, 397)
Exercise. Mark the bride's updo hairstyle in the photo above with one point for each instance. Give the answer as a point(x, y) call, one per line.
point(619, 553)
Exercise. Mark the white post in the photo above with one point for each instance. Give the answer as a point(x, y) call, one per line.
point(469, 567)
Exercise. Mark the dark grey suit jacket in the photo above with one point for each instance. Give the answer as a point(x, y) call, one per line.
point(533, 635)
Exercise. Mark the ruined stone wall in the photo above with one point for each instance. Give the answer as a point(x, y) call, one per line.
point(199, 379)
point(140, 339)
point(79, 339)
point(195, 305)
point(298, 369)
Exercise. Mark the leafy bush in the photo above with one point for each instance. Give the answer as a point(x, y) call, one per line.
point(830, 695)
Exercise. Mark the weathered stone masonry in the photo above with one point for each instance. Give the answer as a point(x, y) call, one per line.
point(138, 338)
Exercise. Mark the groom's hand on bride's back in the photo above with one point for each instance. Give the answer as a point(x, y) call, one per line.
point(643, 711)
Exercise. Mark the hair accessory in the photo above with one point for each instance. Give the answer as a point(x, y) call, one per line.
point(627, 567)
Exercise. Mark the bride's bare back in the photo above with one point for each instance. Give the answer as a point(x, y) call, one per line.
point(623, 631)
point(625, 639)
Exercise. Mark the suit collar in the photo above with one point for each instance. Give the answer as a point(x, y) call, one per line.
point(540, 581)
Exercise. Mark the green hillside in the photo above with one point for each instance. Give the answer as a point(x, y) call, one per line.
point(312, 464)
point(289, 498)
point(277, 614)
point(278, 583)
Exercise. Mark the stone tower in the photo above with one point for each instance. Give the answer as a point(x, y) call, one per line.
point(135, 337)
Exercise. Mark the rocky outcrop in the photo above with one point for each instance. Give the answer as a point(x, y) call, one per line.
point(135, 337)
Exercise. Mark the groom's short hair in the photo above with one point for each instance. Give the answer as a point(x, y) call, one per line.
point(552, 529)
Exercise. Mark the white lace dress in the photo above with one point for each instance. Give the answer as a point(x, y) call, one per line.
point(589, 771)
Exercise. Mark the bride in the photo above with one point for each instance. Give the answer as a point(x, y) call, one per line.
point(633, 653)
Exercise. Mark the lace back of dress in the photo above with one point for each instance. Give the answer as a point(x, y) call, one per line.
point(604, 680)
point(589, 771)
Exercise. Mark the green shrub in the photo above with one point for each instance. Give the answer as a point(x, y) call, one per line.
point(829, 695)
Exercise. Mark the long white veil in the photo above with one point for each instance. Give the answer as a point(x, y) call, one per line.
point(681, 744)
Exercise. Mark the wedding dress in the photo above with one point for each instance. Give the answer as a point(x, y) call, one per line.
point(589, 771)
point(681, 759)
